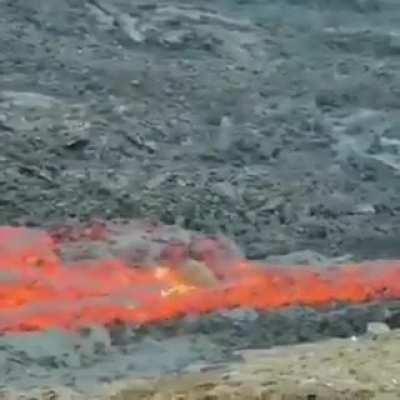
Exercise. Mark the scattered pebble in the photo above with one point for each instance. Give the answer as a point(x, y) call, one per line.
point(377, 328)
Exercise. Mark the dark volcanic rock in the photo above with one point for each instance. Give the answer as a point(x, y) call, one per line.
point(101, 116)
point(274, 123)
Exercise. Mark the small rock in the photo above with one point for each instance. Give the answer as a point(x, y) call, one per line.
point(103, 19)
point(327, 98)
point(175, 39)
point(364, 209)
point(313, 229)
point(273, 203)
point(129, 26)
point(256, 250)
point(94, 341)
point(120, 334)
point(226, 190)
point(77, 143)
point(224, 137)
point(377, 328)
point(336, 204)
point(196, 273)
point(28, 99)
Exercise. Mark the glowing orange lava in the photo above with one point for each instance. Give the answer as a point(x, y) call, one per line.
point(38, 291)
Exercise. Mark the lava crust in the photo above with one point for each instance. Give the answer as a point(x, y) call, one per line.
point(40, 290)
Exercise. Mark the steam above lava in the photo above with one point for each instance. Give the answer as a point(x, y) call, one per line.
point(72, 277)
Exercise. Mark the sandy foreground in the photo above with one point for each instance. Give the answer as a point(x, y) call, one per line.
point(355, 368)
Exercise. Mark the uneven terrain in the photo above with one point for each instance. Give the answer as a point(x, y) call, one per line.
point(365, 368)
point(274, 123)
point(351, 369)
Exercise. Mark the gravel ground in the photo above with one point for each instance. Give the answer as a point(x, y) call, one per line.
point(360, 368)
point(97, 358)
point(272, 122)
point(357, 369)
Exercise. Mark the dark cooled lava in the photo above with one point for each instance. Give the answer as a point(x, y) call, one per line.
point(41, 289)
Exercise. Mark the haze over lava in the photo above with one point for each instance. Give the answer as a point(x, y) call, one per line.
point(71, 278)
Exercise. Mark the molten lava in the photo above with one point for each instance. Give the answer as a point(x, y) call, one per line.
point(39, 291)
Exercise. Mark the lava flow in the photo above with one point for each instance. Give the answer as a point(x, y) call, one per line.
point(38, 290)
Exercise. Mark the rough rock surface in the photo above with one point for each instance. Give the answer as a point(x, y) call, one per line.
point(86, 361)
point(273, 122)
point(362, 368)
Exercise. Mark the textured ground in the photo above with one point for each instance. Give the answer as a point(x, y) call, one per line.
point(275, 122)
point(338, 369)
point(93, 359)
point(364, 368)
